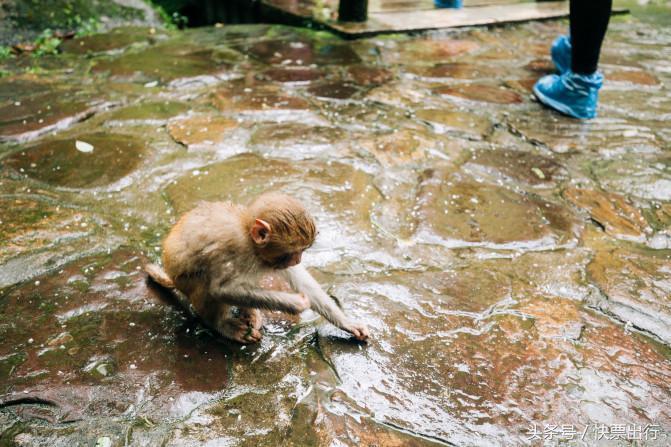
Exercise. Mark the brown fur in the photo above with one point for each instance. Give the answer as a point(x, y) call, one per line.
point(211, 257)
point(291, 223)
point(158, 275)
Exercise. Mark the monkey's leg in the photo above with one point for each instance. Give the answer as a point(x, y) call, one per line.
point(252, 317)
point(219, 316)
point(243, 328)
point(206, 307)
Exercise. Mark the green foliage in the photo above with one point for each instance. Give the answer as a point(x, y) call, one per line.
point(179, 20)
point(5, 53)
point(34, 69)
point(172, 20)
point(46, 43)
point(165, 17)
point(59, 14)
point(86, 27)
point(171, 5)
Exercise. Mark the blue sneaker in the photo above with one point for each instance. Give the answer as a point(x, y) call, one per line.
point(456, 4)
point(561, 53)
point(571, 93)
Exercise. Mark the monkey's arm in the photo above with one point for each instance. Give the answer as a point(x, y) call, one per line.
point(301, 280)
point(243, 294)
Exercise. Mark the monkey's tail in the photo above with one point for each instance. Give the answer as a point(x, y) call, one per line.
point(159, 276)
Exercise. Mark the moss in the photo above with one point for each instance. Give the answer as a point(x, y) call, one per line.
point(7, 366)
point(46, 43)
point(5, 52)
point(67, 14)
point(25, 20)
point(22, 216)
point(87, 27)
point(7, 436)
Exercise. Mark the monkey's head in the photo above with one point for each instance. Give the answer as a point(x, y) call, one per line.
point(281, 229)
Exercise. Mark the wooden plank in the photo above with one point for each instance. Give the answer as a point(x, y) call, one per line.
point(326, 8)
point(425, 20)
point(417, 5)
point(384, 18)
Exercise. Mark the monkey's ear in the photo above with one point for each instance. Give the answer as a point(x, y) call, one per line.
point(260, 232)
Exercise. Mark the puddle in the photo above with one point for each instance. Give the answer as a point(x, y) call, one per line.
point(512, 264)
point(61, 163)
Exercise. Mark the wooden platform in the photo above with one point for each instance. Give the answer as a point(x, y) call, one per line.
point(394, 16)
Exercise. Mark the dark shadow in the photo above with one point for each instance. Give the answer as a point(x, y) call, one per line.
point(209, 12)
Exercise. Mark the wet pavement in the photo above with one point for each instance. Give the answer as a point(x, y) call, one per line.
point(513, 265)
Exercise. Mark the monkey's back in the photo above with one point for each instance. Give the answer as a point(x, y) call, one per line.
point(204, 237)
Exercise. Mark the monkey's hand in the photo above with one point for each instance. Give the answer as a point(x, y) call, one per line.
point(359, 330)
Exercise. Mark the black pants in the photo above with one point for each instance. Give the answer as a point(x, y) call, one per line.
point(589, 21)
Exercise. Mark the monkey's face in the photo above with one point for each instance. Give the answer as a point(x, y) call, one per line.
point(280, 259)
point(283, 249)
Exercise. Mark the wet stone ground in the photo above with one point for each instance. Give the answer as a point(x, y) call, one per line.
point(513, 265)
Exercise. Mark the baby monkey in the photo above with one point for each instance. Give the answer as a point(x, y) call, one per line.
point(217, 253)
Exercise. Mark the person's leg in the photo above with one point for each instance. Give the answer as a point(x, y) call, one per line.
point(589, 21)
point(575, 91)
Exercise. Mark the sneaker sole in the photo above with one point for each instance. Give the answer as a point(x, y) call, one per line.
point(558, 106)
